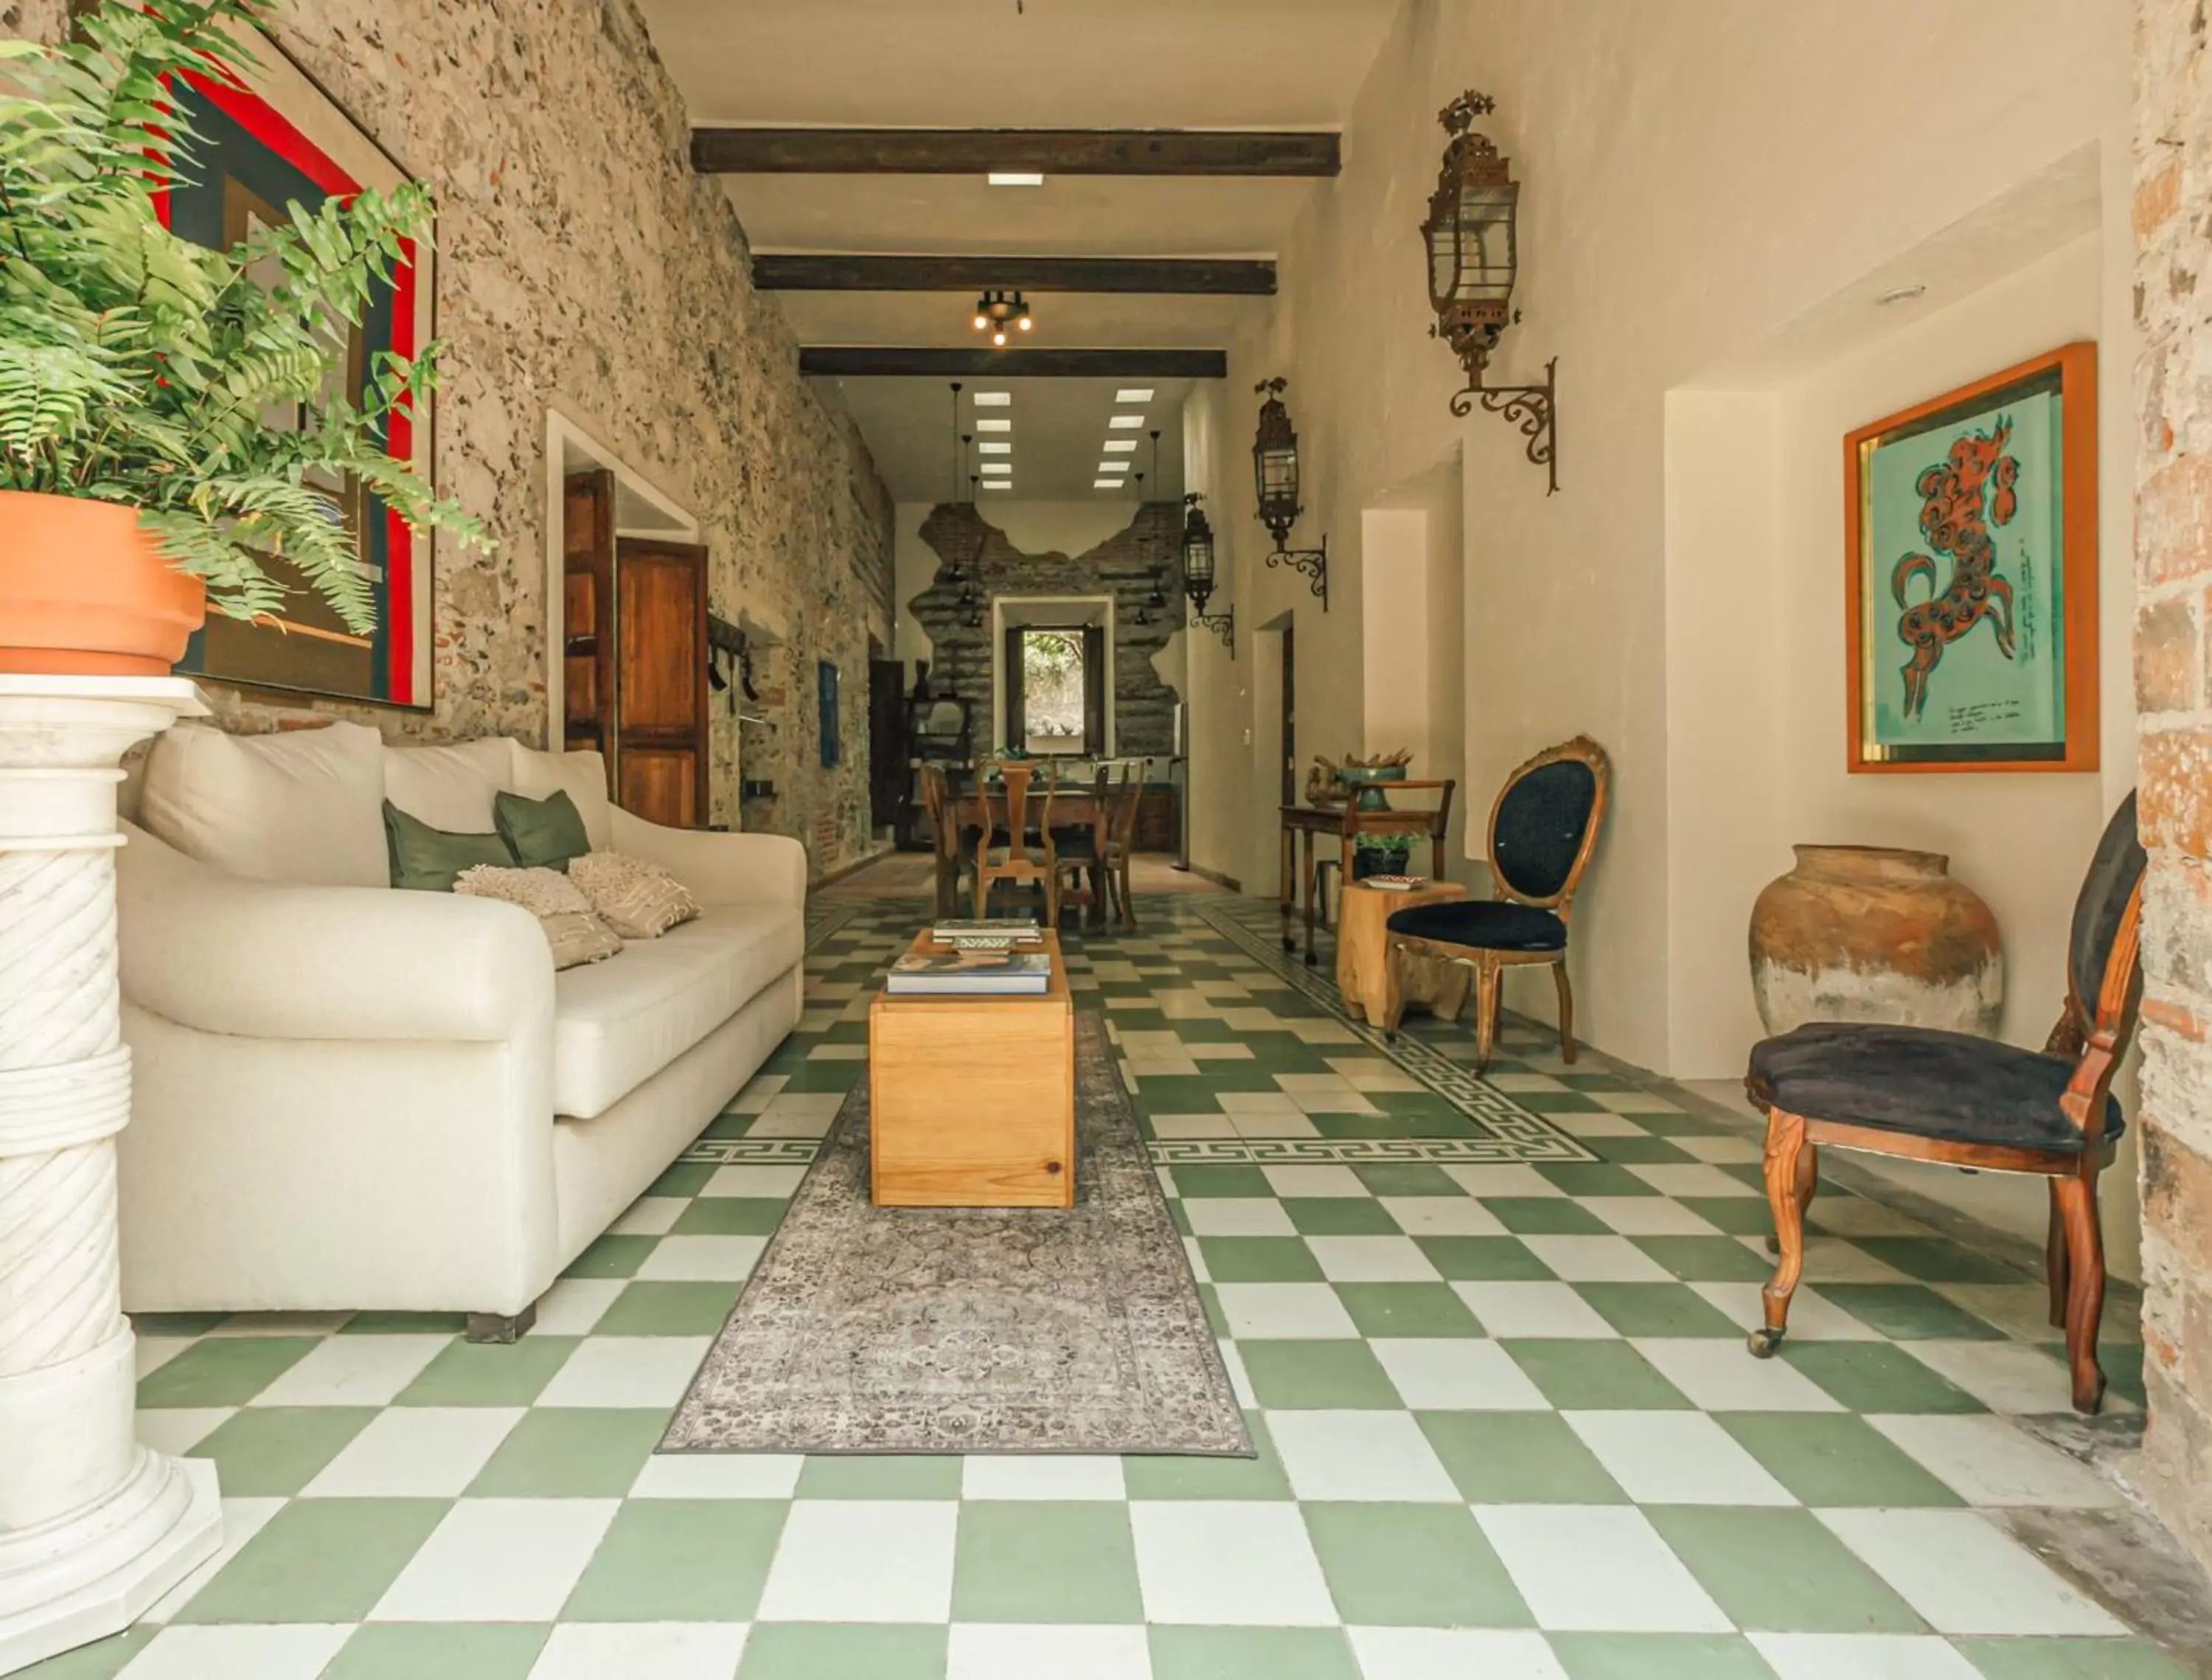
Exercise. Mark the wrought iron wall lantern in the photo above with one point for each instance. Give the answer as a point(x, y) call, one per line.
point(1198, 575)
point(1275, 480)
point(1474, 259)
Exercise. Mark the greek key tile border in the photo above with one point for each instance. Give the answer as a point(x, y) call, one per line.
point(753, 1151)
point(1520, 1136)
point(1339, 1152)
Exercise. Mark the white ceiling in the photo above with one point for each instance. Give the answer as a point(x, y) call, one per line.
point(984, 64)
point(1059, 425)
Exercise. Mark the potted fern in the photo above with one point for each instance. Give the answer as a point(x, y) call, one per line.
point(145, 474)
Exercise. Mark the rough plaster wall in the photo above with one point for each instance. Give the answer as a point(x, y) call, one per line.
point(1681, 197)
point(583, 264)
point(2174, 514)
point(961, 658)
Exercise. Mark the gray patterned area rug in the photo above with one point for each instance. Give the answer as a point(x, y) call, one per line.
point(882, 1329)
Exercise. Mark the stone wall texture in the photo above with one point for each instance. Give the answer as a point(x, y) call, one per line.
point(583, 265)
point(1124, 566)
point(2173, 697)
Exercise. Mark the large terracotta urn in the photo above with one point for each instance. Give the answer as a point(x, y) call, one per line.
point(1873, 934)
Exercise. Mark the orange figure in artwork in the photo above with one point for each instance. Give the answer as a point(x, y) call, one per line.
point(1962, 497)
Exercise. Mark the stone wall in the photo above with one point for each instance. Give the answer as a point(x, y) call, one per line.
point(583, 264)
point(2173, 576)
point(1122, 566)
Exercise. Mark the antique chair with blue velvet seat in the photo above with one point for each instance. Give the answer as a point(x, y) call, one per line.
point(1543, 826)
point(1972, 1102)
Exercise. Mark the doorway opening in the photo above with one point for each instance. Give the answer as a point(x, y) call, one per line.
point(1062, 708)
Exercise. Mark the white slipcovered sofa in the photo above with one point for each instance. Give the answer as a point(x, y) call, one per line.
point(348, 1096)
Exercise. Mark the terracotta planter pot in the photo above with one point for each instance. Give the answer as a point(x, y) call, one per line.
point(1869, 933)
point(84, 592)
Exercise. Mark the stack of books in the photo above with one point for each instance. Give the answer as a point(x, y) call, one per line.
point(972, 973)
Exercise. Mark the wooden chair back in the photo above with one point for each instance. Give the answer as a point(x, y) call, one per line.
point(937, 804)
point(1004, 805)
point(2103, 968)
point(1544, 825)
point(1121, 814)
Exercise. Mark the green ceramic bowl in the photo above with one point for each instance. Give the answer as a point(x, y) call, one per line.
point(1362, 780)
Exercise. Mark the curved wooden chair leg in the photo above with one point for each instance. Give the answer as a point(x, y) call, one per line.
point(1785, 1149)
point(1566, 1012)
point(2055, 1271)
point(1488, 976)
point(1807, 1181)
point(2085, 1293)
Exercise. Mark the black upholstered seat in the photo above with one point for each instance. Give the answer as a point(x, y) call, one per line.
point(1923, 1083)
point(1484, 924)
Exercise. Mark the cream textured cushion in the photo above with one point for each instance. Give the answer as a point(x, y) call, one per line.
point(637, 900)
point(305, 808)
point(576, 935)
point(450, 788)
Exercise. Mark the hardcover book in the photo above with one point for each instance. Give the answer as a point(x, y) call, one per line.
point(970, 973)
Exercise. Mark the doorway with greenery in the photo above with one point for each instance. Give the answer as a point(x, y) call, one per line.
point(1056, 690)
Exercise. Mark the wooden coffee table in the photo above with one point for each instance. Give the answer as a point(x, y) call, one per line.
point(971, 1100)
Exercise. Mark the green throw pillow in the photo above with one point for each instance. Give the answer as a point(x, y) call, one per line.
point(428, 859)
point(542, 833)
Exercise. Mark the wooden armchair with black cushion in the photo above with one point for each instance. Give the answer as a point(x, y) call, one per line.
point(1543, 826)
point(1966, 1101)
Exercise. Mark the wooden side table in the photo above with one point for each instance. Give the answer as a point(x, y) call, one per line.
point(1363, 954)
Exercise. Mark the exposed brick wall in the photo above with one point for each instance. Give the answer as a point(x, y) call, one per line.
point(581, 263)
point(2172, 214)
point(1122, 566)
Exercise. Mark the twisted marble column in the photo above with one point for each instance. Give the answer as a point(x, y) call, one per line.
point(94, 1527)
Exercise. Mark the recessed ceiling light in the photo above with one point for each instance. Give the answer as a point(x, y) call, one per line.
point(1134, 396)
point(1113, 467)
point(987, 424)
point(990, 447)
point(994, 398)
point(998, 483)
point(1120, 446)
point(1105, 484)
point(996, 469)
point(1126, 423)
point(1014, 178)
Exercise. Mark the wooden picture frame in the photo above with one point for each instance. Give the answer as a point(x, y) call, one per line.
point(1951, 510)
point(277, 141)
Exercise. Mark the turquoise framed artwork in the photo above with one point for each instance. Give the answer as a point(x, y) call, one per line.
point(1971, 554)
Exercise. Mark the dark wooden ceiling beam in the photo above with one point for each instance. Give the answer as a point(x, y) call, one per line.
point(977, 151)
point(904, 361)
point(1222, 277)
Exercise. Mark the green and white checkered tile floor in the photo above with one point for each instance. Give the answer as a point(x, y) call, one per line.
point(1489, 1335)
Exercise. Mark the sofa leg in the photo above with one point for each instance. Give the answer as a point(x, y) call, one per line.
point(500, 1326)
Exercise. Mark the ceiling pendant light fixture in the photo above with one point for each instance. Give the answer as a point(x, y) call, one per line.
point(1002, 314)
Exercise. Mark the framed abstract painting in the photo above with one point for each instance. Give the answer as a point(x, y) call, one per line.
point(278, 143)
point(1971, 558)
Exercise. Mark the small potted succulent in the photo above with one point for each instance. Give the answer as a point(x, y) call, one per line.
point(1380, 855)
point(144, 471)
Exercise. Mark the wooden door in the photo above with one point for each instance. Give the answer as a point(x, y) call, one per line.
point(887, 744)
point(588, 642)
point(660, 681)
point(1096, 677)
point(1290, 716)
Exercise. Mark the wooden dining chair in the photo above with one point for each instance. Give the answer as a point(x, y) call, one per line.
point(1030, 855)
point(1543, 826)
point(1121, 844)
point(1080, 851)
point(1919, 1094)
point(942, 811)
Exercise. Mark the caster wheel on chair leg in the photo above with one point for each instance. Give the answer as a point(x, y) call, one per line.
point(1765, 1343)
